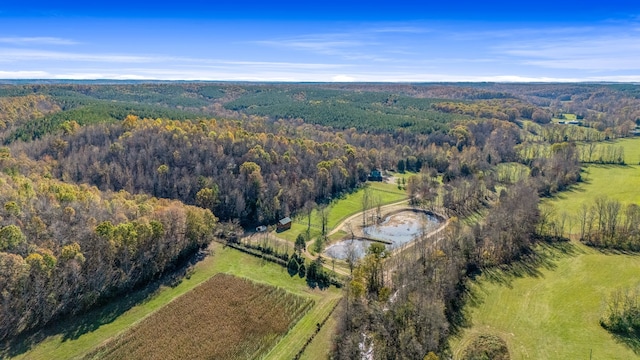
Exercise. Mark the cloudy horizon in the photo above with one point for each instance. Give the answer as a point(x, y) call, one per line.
point(418, 45)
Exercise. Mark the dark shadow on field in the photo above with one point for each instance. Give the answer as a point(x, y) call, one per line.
point(613, 251)
point(72, 327)
point(610, 166)
point(317, 284)
point(543, 257)
point(566, 193)
point(629, 339)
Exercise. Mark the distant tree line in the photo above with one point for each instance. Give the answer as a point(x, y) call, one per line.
point(366, 111)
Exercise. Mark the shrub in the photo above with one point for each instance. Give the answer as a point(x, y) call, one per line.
point(487, 347)
point(622, 316)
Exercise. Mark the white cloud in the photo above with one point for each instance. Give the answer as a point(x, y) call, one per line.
point(293, 75)
point(106, 75)
point(354, 45)
point(23, 55)
point(37, 41)
point(568, 54)
point(343, 78)
point(24, 74)
point(7, 55)
point(285, 65)
point(611, 50)
point(400, 29)
point(315, 44)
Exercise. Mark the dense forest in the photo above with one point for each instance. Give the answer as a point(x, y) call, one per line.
point(65, 247)
point(106, 187)
point(238, 171)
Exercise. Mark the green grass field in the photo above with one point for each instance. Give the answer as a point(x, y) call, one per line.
point(317, 349)
point(551, 309)
point(567, 117)
point(615, 181)
point(631, 149)
point(224, 260)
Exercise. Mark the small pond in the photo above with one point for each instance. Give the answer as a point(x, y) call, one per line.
point(399, 229)
point(341, 249)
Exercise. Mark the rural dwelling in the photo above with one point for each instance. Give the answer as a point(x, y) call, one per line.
point(375, 175)
point(284, 224)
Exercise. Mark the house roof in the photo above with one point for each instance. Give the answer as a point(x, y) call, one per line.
point(285, 221)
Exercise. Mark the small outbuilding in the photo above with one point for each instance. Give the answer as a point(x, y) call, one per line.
point(261, 228)
point(284, 224)
point(375, 175)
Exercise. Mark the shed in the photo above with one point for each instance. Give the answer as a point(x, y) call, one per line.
point(261, 228)
point(375, 175)
point(284, 224)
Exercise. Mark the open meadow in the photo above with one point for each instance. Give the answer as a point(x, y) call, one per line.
point(619, 182)
point(565, 117)
point(631, 149)
point(78, 337)
point(550, 307)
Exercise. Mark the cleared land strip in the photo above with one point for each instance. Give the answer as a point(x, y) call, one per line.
point(290, 346)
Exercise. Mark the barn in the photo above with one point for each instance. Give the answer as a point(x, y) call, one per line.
point(284, 224)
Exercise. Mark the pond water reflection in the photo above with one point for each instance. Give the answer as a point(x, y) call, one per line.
point(399, 229)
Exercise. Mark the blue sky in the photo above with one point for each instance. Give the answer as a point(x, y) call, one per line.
point(322, 41)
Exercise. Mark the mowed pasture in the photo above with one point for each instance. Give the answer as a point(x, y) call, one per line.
point(566, 117)
point(613, 181)
point(631, 149)
point(550, 308)
point(79, 336)
point(225, 318)
point(619, 182)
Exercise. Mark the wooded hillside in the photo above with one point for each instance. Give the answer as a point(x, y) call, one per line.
point(65, 247)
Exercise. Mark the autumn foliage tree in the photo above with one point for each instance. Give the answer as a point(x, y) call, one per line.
point(64, 248)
